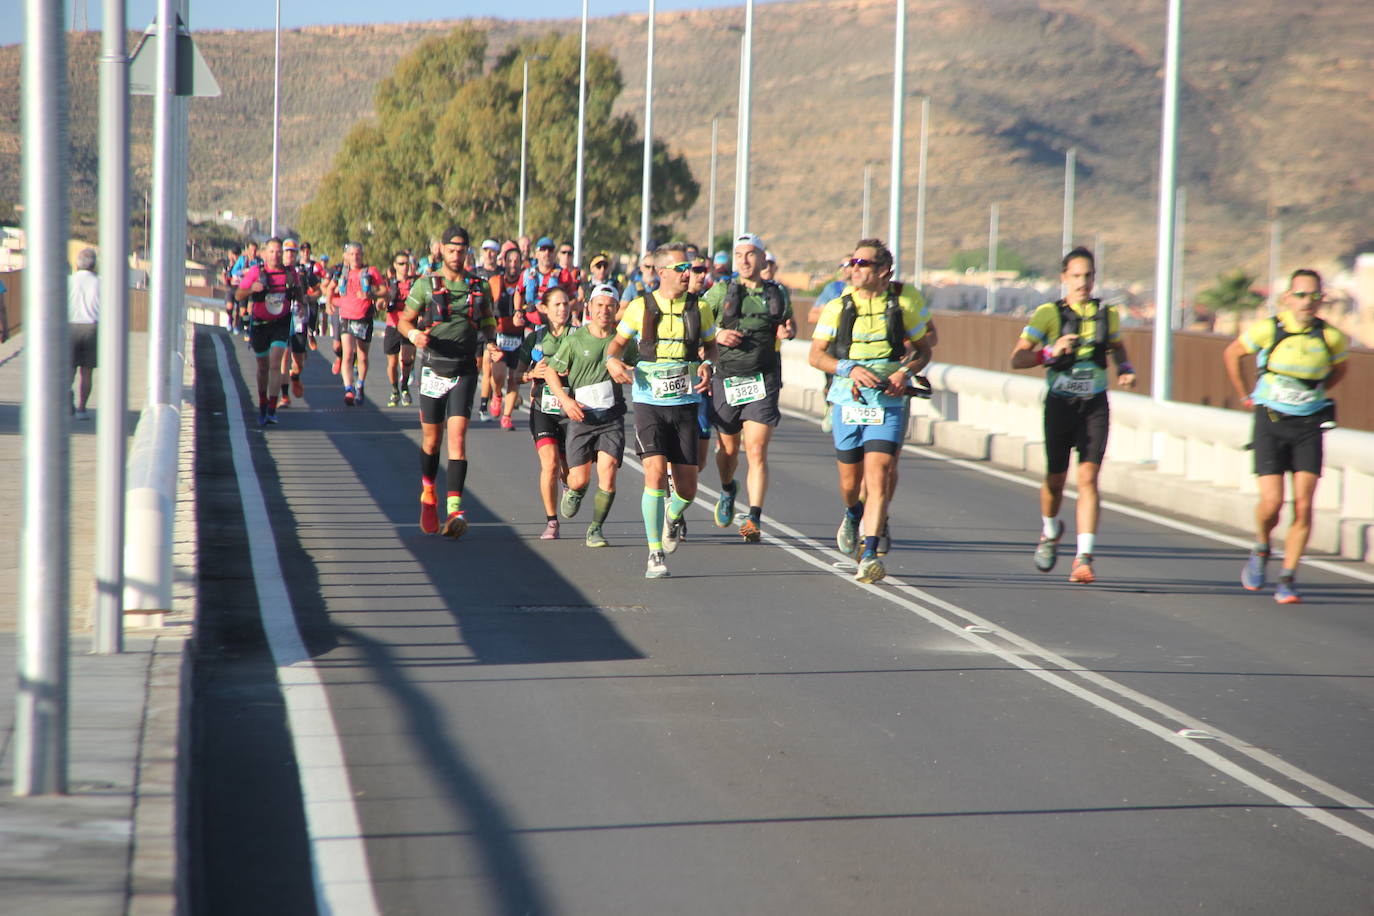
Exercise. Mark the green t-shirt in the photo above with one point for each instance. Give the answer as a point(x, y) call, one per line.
point(757, 352)
point(581, 359)
point(537, 346)
point(469, 314)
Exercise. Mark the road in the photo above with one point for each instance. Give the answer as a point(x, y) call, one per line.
point(531, 727)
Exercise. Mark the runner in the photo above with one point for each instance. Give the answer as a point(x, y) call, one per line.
point(1301, 358)
point(454, 305)
point(640, 281)
point(302, 320)
point(831, 290)
point(249, 258)
point(537, 279)
point(669, 326)
point(599, 275)
point(1073, 337)
point(434, 261)
point(872, 337)
point(698, 281)
point(231, 283)
point(720, 268)
point(353, 294)
point(754, 314)
point(490, 263)
point(400, 353)
point(570, 278)
point(270, 289)
point(548, 424)
point(594, 404)
point(501, 380)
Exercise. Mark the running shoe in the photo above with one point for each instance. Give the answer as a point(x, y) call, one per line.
point(749, 530)
point(405, 397)
point(394, 400)
point(82, 414)
point(550, 531)
point(870, 568)
point(313, 344)
point(349, 397)
point(271, 418)
point(657, 567)
point(674, 533)
point(884, 540)
point(1252, 576)
point(571, 502)
point(456, 525)
point(725, 507)
point(283, 401)
point(359, 388)
point(594, 537)
point(847, 537)
point(1047, 551)
point(338, 365)
point(1286, 594)
point(495, 408)
point(262, 416)
point(1083, 569)
point(297, 387)
point(429, 511)
point(507, 423)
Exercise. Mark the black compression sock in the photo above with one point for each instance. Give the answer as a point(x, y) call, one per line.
point(457, 474)
point(755, 514)
point(429, 465)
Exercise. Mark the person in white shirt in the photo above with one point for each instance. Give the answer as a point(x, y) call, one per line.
point(83, 313)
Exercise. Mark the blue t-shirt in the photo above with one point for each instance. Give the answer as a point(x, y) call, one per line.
point(830, 291)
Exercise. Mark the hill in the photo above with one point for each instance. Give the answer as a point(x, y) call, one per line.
point(1276, 118)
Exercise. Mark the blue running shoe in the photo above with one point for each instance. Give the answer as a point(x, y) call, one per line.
point(1252, 576)
point(725, 506)
point(1286, 594)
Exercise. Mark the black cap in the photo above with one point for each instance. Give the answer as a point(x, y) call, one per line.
point(453, 234)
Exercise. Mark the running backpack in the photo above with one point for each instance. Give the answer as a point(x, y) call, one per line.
point(1316, 329)
point(691, 323)
point(1070, 322)
point(892, 314)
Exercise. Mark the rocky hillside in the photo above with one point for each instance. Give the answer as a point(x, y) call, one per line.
point(1277, 118)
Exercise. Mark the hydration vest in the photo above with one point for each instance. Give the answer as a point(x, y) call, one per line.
point(341, 277)
point(892, 314)
point(291, 286)
point(1069, 323)
point(1316, 329)
point(442, 305)
point(504, 305)
point(691, 323)
point(734, 300)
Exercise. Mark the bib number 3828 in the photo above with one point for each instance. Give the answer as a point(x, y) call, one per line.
point(433, 385)
point(745, 389)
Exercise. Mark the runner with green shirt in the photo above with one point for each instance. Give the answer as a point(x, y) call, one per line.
point(548, 424)
point(447, 317)
point(594, 404)
point(670, 326)
point(753, 314)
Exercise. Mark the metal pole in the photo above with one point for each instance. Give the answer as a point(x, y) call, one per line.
point(992, 259)
point(868, 200)
point(1164, 249)
point(746, 92)
point(1100, 258)
point(111, 427)
point(524, 128)
point(920, 265)
point(647, 190)
point(161, 288)
point(894, 209)
point(711, 198)
point(1070, 170)
point(1275, 241)
point(40, 722)
point(581, 142)
point(276, 118)
point(1180, 205)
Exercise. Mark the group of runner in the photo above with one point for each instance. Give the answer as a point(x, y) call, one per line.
point(699, 348)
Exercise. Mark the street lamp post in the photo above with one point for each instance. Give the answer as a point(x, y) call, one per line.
point(894, 214)
point(920, 266)
point(711, 196)
point(868, 200)
point(1164, 250)
point(647, 191)
point(746, 77)
point(524, 134)
point(276, 117)
point(581, 138)
point(1070, 173)
point(992, 260)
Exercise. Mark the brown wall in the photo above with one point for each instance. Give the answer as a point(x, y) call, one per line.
point(14, 300)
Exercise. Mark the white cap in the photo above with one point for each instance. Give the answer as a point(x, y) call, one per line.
point(492, 244)
point(750, 239)
point(604, 289)
point(768, 256)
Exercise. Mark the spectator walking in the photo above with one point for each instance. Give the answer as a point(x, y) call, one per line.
point(83, 313)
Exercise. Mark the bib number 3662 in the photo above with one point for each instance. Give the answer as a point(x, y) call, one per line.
point(673, 384)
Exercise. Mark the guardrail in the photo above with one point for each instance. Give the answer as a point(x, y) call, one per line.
point(1182, 458)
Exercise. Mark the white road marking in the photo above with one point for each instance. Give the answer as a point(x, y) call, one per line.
point(339, 866)
point(892, 589)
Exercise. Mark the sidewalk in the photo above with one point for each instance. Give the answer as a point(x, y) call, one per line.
point(112, 845)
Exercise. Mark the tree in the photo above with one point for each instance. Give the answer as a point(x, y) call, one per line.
point(977, 259)
point(445, 147)
point(1232, 292)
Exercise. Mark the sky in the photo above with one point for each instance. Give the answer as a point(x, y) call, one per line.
point(248, 14)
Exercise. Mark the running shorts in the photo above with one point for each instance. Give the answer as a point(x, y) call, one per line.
point(1075, 423)
point(300, 343)
point(668, 430)
point(392, 341)
point(591, 436)
point(360, 328)
point(1285, 443)
point(264, 335)
point(729, 418)
point(853, 440)
point(548, 426)
point(456, 402)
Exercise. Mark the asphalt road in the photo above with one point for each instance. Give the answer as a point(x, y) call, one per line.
point(531, 727)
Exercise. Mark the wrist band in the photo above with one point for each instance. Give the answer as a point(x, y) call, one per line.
point(414, 333)
point(1046, 356)
point(844, 367)
point(1125, 369)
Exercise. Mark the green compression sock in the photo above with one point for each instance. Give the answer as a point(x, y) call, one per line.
point(604, 498)
point(676, 506)
point(651, 505)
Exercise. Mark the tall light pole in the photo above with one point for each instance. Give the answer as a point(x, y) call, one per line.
point(992, 260)
point(1180, 207)
point(920, 264)
point(40, 721)
point(647, 192)
point(894, 211)
point(111, 426)
point(746, 92)
point(524, 144)
point(1070, 169)
point(1163, 361)
point(276, 118)
point(711, 195)
point(868, 201)
point(1275, 242)
point(581, 138)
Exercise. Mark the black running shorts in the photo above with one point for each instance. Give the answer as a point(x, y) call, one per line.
point(1075, 423)
point(668, 430)
point(456, 402)
point(1285, 443)
point(264, 335)
point(729, 419)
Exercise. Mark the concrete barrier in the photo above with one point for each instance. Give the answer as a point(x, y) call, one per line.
point(1180, 458)
point(150, 502)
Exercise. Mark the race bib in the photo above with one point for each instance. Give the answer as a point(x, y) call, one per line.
point(508, 342)
point(276, 303)
point(600, 396)
point(1291, 392)
point(548, 402)
point(433, 385)
point(745, 389)
point(1081, 382)
point(298, 323)
point(856, 415)
point(670, 383)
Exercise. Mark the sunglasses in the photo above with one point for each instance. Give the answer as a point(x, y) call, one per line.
point(678, 268)
point(700, 269)
point(1314, 296)
point(860, 262)
point(401, 264)
point(565, 251)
